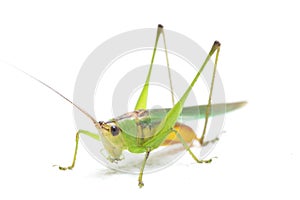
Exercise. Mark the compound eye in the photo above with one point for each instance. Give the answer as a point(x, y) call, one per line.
point(114, 130)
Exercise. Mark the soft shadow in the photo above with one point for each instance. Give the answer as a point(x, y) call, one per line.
point(104, 173)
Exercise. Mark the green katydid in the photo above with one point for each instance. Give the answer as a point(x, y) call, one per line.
point(145, 130)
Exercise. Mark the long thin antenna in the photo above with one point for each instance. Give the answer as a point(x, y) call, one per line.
point(41, 82)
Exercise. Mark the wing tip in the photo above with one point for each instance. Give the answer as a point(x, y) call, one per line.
point(242, 103)
point(235, 105)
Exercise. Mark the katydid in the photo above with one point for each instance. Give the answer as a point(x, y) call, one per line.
point(144, 130)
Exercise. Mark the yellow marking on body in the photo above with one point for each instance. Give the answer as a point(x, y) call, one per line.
point(186, 132)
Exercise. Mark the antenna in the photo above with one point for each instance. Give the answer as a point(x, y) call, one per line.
point(48, 86)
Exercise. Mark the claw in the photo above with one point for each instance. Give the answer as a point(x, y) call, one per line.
point(63, 168)
point(141, 184)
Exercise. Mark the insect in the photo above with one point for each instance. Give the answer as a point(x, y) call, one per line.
point(144, 130)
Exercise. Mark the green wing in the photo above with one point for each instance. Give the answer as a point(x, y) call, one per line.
point(196, 112)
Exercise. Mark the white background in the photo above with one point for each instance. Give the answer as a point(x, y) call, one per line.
point(258, 156)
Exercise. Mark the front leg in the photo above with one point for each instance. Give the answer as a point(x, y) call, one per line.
point(92, 135)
